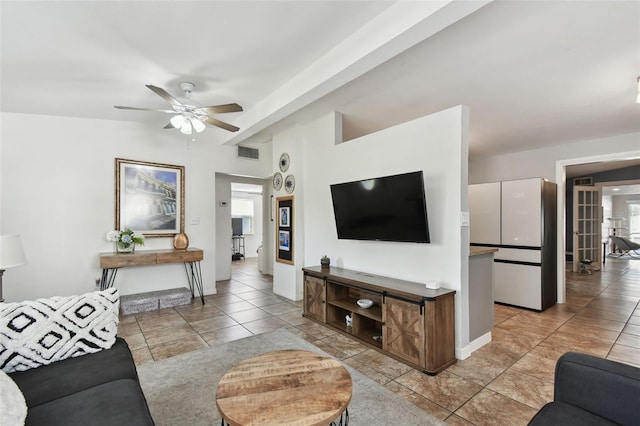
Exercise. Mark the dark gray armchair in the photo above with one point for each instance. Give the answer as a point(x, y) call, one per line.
point(592, 391)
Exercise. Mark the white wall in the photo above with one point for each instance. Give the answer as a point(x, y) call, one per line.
point(287, 279)
point(435, 144)
point(223, 227)
point(57, 177)
point(542, 162)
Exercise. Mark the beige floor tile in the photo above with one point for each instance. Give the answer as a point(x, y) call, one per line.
point(539, 364)
point(629, 340)
point(162, 335)
point(230, 308)
point(265, 325)
point(225, 335)
point(177, 347)
point(127, 319)
point(249, 315)
point(281, 308)
point(381, 363)
point(523, 388)
point(294, 318)
point(142, 356)
point(167, 319)
point(445, 389)
point(374, 375)
point(345, 344)
point(480, 368)
point(211, 324)
point(456, 420)
point(135, 341)
point(265, 301)
point(491, 408)
point(632, 329)
point(418, 400)
point(128, 328)
point(625, 354)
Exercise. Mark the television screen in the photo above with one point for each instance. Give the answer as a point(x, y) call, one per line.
point(236, 226)
point(389, 208)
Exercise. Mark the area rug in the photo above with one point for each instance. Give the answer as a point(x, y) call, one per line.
point(181, 390)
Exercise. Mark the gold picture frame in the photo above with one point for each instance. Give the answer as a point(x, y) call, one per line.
point(149, 198)
point(284, 229)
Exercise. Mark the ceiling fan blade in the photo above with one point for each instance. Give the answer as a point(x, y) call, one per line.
point(219, 109)
point(169, 111)
point(164, 95)
point(169, 126)
point(222, 124)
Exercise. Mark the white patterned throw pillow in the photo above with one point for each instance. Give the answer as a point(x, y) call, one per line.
point(39, 332)
point(13, 407)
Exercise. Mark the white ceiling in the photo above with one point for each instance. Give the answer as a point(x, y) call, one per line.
point(533, 73)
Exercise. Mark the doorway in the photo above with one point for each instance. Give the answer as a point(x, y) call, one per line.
point(562, 166)
point(246, 221)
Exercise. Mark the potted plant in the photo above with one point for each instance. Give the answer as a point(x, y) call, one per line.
point(325, 261)
point(125, 240)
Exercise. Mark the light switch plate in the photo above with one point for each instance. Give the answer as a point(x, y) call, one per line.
point(464, 218)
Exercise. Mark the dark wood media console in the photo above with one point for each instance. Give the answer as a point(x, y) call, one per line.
point(407, 321)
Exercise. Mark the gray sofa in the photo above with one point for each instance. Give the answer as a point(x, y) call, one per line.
point(98, 389)
point(592, 391)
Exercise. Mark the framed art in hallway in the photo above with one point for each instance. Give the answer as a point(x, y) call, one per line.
point(149, 197)
point(284, 229)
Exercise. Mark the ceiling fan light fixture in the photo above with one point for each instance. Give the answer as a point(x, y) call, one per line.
point(186, 127)
point(177, 121)
point(198, 125)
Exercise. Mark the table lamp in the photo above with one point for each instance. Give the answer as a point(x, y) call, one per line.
point(11, 255)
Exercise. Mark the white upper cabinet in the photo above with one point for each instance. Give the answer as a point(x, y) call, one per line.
point(484, 213)
point(522, 212)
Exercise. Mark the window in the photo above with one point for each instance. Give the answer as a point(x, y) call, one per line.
point(633, 207)
point(243, 208)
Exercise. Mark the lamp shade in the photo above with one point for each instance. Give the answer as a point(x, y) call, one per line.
point(11, 252)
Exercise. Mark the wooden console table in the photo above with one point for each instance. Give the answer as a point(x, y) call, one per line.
point(288, 387)
point(111, 262)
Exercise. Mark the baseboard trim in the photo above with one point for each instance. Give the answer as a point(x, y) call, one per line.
point(465, 352)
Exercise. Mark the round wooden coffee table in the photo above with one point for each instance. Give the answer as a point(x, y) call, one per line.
point(287, 387)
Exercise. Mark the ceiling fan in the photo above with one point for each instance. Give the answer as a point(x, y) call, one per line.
point(190, 114)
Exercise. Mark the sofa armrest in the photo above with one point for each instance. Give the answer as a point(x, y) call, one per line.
point(63, 378)
point(603, 387)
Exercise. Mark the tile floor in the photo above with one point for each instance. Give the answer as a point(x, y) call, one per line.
point(503, 383)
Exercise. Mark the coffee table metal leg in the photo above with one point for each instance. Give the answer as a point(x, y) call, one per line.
point(343, 417)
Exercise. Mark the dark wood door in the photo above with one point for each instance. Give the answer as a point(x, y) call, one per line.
point(314, 298)
point(403, 330)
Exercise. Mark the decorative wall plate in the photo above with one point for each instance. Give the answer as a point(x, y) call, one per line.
point(277, 181)
point(284, 162)
point(289, 183)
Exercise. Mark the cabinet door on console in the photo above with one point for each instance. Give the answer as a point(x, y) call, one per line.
point(403, 330)
point(314, 298)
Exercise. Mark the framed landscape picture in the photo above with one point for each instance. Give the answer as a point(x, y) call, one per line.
point(149, 198)
point(284, 229)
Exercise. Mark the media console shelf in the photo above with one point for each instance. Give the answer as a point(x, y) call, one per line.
point(407, 321)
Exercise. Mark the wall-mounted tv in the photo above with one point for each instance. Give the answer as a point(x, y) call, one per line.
point(236, 226)
point(389, 208)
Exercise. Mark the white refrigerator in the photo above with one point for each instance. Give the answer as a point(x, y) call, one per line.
point(519, 218)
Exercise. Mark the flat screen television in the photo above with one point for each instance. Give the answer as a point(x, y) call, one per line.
point(236, 226)
point(389, 208)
